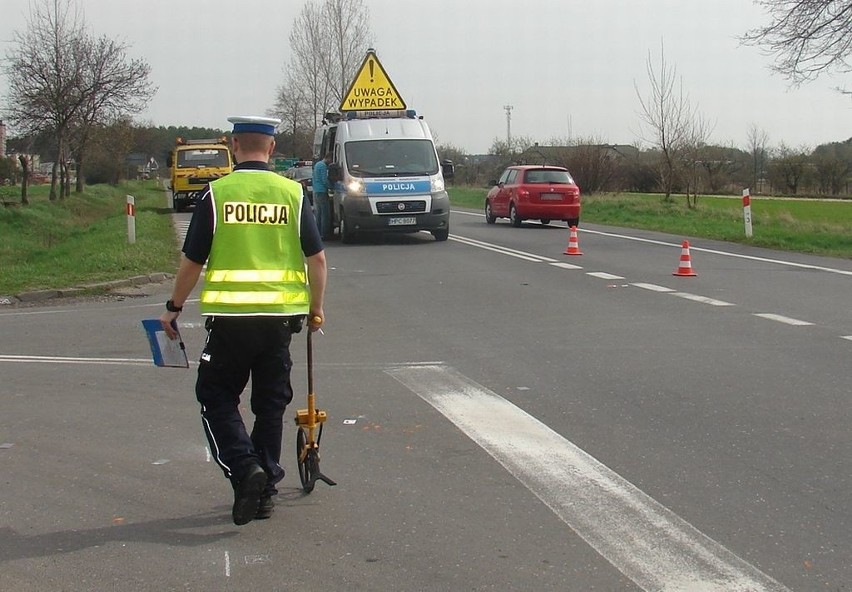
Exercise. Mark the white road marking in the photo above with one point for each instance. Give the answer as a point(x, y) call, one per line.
point(849, 337)
point(723, 253)
point(694, 248)
point(500, 249)
point(645, 541)
point(782, 319)
point(69, 360)
point(653, 287)
point(702, 299)
point(227, 565)
point(77, 311)
point(604, 276)
point(565, 265)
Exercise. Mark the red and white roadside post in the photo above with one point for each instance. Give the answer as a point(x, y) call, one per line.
point(131, 219)
point(747, 212)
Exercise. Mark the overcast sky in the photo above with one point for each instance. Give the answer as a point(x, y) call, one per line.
point(568, 68)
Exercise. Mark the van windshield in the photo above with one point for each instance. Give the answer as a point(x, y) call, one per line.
point(202, 157)
point(391, 158)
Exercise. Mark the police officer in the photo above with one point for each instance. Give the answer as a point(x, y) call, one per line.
point(266, 271)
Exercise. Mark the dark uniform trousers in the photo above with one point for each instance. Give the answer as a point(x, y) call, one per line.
point(236, 348)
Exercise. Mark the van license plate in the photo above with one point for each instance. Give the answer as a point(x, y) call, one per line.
point(407, 221)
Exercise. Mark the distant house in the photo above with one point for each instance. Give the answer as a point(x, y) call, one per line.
point(561, 154)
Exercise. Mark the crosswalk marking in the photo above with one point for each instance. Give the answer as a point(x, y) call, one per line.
point(645, 541)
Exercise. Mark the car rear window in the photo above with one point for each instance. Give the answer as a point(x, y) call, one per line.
point(548, 176)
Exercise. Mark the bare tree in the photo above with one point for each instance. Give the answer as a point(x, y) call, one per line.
point(832, 166)
point(757, 142)
point(348, 24)
point(693, 153)
point(309, 43)
point(64, 81)
point(789, 168)
point(113, 87)
point(328, 43)
point(45, 69)
point(807, 37)
point(668, 115)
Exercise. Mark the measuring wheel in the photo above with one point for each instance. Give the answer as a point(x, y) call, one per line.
point(308, 460)
point(309, 434)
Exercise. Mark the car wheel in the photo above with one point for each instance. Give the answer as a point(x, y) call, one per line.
point(489, 215)
point(573, 222)
point(441, 234)
point(513, 216)
point(347, 236)
point(545, 221)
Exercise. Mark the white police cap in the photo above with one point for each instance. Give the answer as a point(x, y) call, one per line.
point(254, 124)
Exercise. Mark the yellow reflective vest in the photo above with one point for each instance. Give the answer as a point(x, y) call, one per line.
point(256, 266)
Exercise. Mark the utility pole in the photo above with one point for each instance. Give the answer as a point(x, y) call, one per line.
point(508, 109)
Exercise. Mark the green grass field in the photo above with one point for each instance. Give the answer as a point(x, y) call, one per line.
point(83, 238)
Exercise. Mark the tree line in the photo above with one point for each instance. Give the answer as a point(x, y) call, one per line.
point(72, 96)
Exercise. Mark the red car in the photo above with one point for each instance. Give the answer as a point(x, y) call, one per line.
point(538, 192)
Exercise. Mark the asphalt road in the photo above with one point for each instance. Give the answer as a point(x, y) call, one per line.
point(501, 417)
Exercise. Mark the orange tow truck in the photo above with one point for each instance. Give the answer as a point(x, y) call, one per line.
point(193, 164)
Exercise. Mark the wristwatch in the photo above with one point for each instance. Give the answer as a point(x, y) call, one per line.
point(170, 306)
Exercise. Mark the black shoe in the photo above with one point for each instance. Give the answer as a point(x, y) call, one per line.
point(265, 508)
point(247, 494)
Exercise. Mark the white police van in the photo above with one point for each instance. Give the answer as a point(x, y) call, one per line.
point(388, 177)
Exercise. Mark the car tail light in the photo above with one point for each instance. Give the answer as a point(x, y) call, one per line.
point(523, 193)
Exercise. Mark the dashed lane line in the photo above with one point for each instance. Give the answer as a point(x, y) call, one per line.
point(782, 319)
point(702, 299)
point(653, 287)
point(500, 249)
point(604, 276)
point(698, 249)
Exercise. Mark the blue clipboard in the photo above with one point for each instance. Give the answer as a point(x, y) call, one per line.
point(168, 353)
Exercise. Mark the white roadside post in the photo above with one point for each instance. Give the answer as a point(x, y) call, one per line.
point(131, 219)
point(747, 212)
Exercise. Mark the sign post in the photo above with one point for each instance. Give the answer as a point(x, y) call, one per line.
point(747, 212)
point(131, 219)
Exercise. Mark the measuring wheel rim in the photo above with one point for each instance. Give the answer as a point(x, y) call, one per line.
point(303, 455)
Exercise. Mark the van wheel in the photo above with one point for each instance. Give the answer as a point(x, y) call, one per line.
point(489, 215)
point(441, 234)
point(346, 236)
point(513, 216)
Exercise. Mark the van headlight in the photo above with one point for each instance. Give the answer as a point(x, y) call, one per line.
point(437, 184)
point(355, 187)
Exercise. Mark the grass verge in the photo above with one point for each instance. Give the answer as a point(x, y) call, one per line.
point(83, 239)
point(800, 225)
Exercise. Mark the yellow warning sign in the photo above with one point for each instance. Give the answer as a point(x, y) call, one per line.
point(372, 89)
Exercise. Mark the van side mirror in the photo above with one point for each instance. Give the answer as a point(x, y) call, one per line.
point(448, 169)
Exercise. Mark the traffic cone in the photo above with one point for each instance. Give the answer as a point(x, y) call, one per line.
point(685, 267)
point(573, 244)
